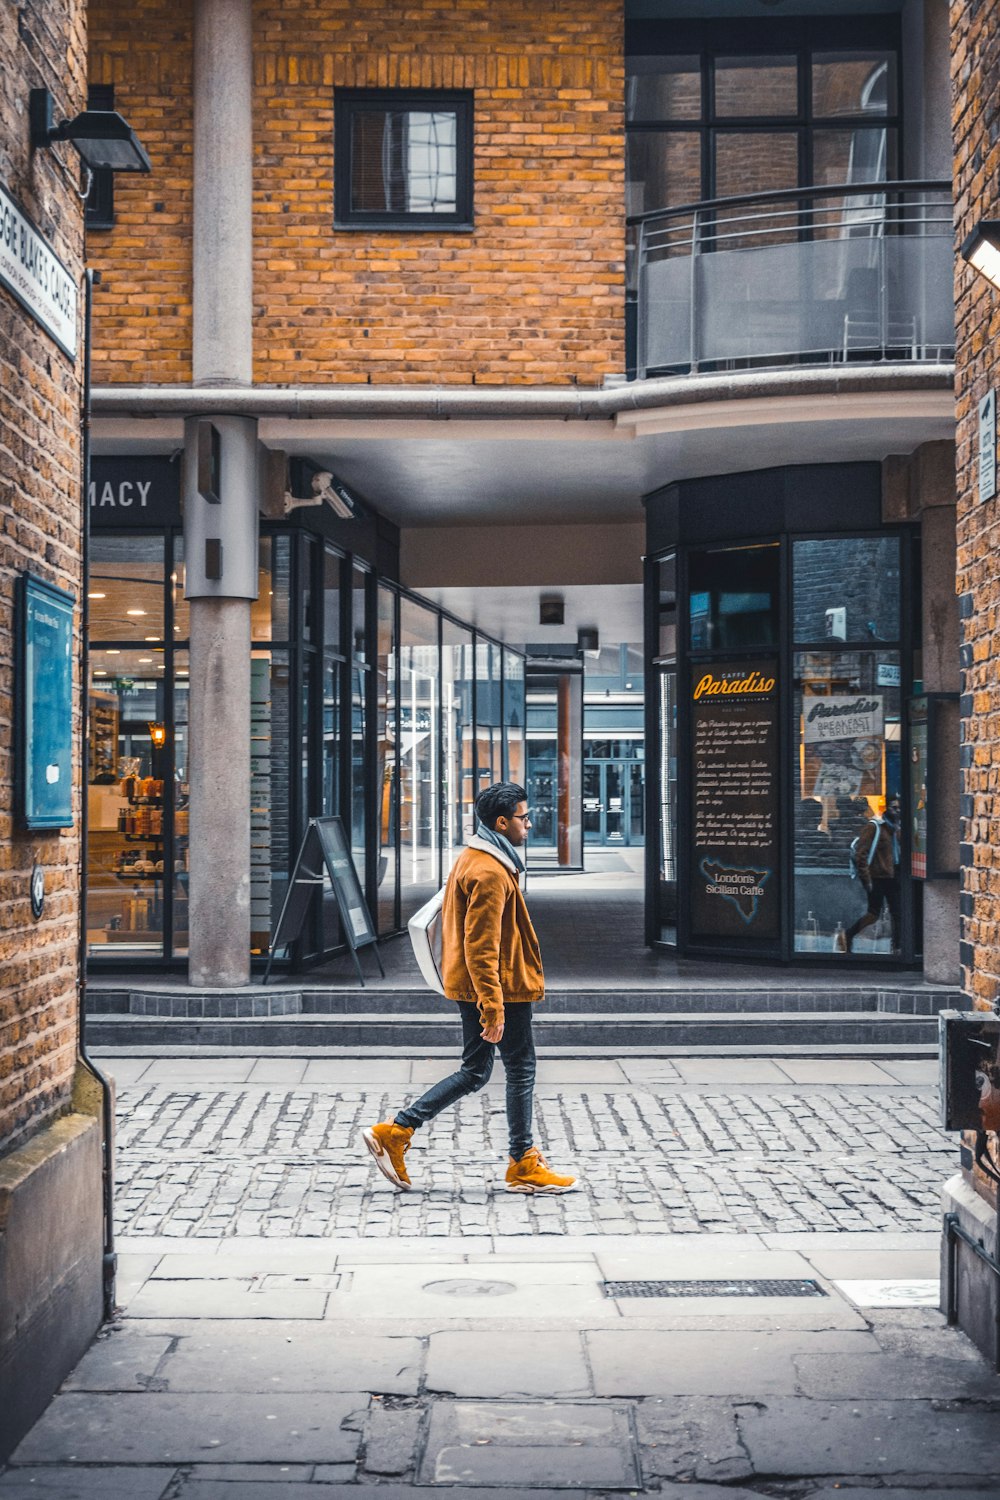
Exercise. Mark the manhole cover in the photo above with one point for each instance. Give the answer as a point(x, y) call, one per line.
point(758, 1288)
point(470, 1288)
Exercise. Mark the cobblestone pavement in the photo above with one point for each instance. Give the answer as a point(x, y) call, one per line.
point(213, 1161)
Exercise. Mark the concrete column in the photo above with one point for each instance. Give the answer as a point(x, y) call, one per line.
point(220, 592)
point(927, 88)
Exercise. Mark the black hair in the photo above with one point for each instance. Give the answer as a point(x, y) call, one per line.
point(499, 801)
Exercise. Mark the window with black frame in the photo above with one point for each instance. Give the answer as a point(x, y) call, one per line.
point(403, 159)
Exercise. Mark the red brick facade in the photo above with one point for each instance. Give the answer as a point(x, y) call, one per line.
point(976, 80)
point(533, 295)
point(40, 490)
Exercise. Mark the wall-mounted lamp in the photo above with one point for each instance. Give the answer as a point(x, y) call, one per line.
point(588, 641)
point(551, 609)
point(101, 136)
point(982, 250)
point(158, 735)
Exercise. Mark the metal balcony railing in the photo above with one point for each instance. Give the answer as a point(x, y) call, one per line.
point(813, 275)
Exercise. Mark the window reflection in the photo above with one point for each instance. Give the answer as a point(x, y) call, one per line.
point(848, 711)
point(847, 589)
point(733, 597)
point(419, 692)
point(125, 588)
point(457, 672)
point(404, 161)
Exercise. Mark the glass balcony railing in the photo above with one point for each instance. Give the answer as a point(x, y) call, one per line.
point(861, 272)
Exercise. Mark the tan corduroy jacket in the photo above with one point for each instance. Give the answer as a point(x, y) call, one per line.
point(489, 951)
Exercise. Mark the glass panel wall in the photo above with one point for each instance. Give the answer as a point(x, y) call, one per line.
point(359, 718)
point(125, 588)
point(513, 715)
point(387, 781)
point(129, 769)
point(419, 701)
point(489, 757)
point(181, 814)
point(457, 674)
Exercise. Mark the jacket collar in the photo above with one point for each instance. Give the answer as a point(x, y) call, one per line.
point(475, 842)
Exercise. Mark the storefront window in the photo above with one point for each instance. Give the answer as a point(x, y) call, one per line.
point(181, 813)
point(125, 588)
point(129, 759)
point(667, 609)
point(733, 597)
point(456, 705)
point(387, 741)
point(846, 589)
point(847, 707)
point(271, 838)
point(419, 694)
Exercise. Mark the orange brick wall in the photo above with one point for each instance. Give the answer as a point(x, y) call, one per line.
point(41, 42)
point(142, 309)
point(976, 97)
point(535, 295)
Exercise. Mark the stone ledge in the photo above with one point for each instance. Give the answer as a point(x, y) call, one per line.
point(978, 1288)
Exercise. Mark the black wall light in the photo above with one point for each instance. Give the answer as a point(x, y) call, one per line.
point(982, 250)
point(101, 136)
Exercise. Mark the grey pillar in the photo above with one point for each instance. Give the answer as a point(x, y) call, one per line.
point(220, 516)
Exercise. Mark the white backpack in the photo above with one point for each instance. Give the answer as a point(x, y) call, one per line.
point(424, 928)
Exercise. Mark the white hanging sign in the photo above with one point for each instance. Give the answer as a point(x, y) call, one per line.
point(31, 270)
point(988, 446)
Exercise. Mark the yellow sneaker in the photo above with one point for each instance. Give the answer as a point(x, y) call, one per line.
point(532, 1174)
point(388, 1144)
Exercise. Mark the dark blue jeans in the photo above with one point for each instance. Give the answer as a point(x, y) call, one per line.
point(517, 1049)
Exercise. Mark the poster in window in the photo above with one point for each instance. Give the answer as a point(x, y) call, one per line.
point(842, 738)
point(734, 724)
point(44, 705)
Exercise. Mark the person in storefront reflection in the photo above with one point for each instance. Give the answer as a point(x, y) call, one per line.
point(876, 859)
point(492, 966)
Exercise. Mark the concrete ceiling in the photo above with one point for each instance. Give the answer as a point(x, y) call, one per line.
point(511, 614)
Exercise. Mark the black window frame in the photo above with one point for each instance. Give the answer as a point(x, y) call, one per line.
point(799, 37)
point(99, 212)
point(348, 103)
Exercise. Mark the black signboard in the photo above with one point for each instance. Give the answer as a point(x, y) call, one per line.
point(734, 754)
point(325, 848)
point(127, 492)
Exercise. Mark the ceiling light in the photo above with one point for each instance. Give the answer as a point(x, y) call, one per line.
point(145, 661)
point(135, 612)
point(151, 637)
point(982, 250)
point(112, 651)
point(103, 139)
point(97, 596)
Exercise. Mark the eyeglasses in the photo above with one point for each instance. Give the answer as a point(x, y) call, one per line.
point(521, 817)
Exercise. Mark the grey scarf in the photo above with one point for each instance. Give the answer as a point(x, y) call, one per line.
point(499, 842)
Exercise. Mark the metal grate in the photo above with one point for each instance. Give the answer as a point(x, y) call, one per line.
point(755, 1288)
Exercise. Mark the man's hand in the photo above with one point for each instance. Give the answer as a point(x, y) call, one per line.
point(492, 1033)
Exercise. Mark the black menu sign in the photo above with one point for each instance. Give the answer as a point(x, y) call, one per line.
point(734, 726)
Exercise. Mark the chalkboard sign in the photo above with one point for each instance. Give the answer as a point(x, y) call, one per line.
point(734, 720)
point(325, 847)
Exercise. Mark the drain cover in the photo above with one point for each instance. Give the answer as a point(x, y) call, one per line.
point(468, 1288)
point(758, 1288)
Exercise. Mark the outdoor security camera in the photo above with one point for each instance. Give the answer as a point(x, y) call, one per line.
point(324, 492)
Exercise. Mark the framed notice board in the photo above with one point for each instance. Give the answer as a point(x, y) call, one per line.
point(325, 855)
point(44, 729)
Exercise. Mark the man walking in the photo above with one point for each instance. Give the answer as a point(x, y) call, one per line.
point(876, 859)
point(491, 965)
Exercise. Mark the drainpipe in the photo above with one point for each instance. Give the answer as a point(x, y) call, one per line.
point(110, 1257)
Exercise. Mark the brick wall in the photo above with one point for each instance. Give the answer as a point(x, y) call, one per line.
point(42, 42)
point(533, 295)
point(976, 132)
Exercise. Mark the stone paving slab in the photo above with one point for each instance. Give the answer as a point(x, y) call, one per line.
point(498, 1364)
point(870, 1376)
point(680, 1363)
point(225, 1299)
point(179, 1429)
point(549, 1443)
point(291, 1357)
point(799, 1438)
point(461, 1291)
point(104, 1483)
point(120, 1360)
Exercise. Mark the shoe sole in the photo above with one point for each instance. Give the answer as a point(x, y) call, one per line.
point(382, 1161)
point(530, 1188)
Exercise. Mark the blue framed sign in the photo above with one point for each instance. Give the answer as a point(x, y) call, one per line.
point(44, 785)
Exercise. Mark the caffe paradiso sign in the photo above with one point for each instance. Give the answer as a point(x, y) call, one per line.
point(33, 273)
point(735, 687)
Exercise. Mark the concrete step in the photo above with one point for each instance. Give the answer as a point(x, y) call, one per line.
point(612, 1029)
point(682, 999)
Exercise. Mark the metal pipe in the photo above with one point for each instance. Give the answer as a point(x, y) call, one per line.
point(475, 403)
point(110, 1257)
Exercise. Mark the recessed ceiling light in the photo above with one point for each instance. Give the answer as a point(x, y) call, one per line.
point(97, 596)
point(99, 673)
point(145, 661)
point(112, 651)
point(135, 612)
point(151, 637)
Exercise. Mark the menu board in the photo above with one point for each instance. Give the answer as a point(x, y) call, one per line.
point(734, 728)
